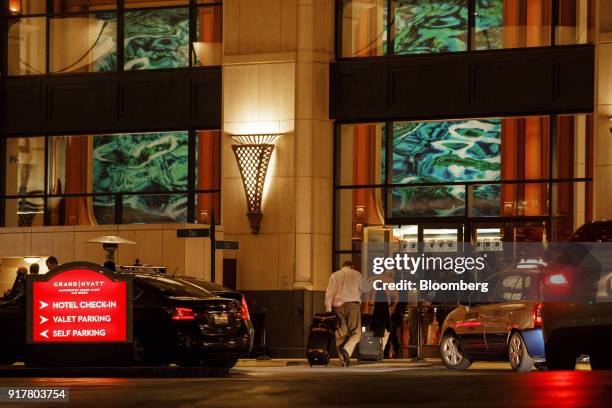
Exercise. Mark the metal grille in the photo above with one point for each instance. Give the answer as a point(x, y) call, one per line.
point(253, 160)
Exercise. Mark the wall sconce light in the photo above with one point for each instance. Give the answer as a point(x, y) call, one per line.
point(14, 7)
point(253, 153)
point(360, 212)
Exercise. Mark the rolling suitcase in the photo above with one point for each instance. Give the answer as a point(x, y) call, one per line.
point(321, 338)
point(370, 347)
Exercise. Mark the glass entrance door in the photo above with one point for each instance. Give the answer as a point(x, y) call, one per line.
point(493, 233)
point(441, 237)
point(432, 237)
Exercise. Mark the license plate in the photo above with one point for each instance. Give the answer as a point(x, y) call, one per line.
point(220, 319)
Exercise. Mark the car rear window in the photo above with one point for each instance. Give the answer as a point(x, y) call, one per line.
point(594, 233)
point(209, 286)
point(173, 287)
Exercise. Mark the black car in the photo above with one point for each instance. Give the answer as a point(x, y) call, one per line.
point(577, 289)
point(192, 325)
point(175, 321)
point(227, 293)
point(218, 290)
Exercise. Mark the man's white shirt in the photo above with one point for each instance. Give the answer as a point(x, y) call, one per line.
point(345, 285)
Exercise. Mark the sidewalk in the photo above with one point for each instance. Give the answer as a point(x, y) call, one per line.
point(297, 362)
point(173, 371)
point(386, 364)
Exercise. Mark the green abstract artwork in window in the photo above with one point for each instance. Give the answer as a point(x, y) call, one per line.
point(141, 162)
point(107, 59)
point(489, 25)
point(425, 26)
point(439, 152)
point(156, 39)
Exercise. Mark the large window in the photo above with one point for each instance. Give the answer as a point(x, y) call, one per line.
point(159, 177)
point(422, 26)
point(66, 36)
point(25, 181)
point(472, 177)
point(369, 28)
point(157, 38)
point(83, 43)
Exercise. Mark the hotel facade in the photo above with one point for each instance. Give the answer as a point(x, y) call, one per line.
point(301, 129)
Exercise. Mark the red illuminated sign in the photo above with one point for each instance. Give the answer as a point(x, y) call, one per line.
point(79, 304)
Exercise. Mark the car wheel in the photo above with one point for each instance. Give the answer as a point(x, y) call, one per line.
point(452, 353)
point(559, 359)
point(601, 360)
point(224, 363)
point(519, 357)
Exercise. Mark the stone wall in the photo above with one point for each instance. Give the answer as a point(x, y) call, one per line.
point(275, 80)
point(155, 245)
point(603, 136)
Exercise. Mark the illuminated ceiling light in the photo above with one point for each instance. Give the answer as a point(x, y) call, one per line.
point(31, 259)
point(14, 6)
point(253, 153)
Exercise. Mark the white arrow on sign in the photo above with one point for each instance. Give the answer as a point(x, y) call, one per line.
point(44, 334)
point(43, 304)
point(43, 319)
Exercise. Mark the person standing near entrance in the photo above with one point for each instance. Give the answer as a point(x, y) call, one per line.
point(34, 269)
point(51, 262)
point(18, 285)
point(381, 304)
point(343, 296)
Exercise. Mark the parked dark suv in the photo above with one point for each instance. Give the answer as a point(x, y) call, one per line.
point(577, 313)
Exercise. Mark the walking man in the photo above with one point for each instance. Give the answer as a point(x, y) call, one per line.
point(343, 295)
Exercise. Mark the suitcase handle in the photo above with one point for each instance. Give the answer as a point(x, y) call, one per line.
point(319, 329)
point(317, 350)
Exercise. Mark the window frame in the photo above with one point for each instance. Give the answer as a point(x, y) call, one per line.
point(471, 29)
point(548, 216)
point(191, 192)
point(193, 6)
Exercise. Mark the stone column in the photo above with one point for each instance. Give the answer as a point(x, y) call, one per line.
point(275, 80)
point(602, 175)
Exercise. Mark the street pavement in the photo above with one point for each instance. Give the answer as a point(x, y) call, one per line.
point(282, 383)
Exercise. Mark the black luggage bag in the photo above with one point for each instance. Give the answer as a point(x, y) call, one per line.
point(321, 338)
point(370, 347)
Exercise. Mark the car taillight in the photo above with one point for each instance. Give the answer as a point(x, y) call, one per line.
point(244, 310)
point(183, 313)
point(537, 315)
